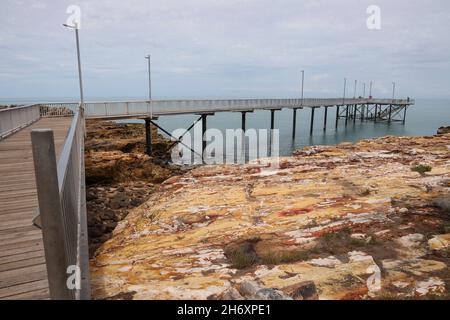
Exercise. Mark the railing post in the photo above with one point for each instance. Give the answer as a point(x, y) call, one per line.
point(45, 169)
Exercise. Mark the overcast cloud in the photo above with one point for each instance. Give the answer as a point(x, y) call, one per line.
point(225, 48)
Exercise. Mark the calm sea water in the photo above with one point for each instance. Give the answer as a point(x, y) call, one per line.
point(423, 118)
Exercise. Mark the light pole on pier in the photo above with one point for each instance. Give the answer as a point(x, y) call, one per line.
point(75, 27)
point(148, 57)
point(393, 91)
point(303, 82)
point(364, 90)
point(345, 85)
point(354, 92)
point(370, 89)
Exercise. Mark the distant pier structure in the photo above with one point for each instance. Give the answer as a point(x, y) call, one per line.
point(346, 109)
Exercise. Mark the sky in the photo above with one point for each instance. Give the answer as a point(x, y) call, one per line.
point(225, 48)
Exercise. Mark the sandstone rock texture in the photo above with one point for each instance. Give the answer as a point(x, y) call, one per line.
point(351, 221)
point(119, 175)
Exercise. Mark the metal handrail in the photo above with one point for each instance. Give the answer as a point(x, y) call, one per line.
point(107, 109)
point(14, 119)
point(62, 208)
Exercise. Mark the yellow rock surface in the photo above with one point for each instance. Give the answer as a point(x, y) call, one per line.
point(291, 223)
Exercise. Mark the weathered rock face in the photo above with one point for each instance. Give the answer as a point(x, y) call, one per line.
point(350, 221)
point(119, 175)
point(443, 130)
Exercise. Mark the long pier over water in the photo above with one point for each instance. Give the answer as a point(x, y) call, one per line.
point(42, 172)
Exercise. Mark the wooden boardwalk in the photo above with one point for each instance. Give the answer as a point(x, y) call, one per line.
point(23, 273)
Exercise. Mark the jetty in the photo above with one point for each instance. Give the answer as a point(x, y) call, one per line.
point(43, 229)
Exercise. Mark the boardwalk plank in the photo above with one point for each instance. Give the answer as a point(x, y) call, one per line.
point(23, 273)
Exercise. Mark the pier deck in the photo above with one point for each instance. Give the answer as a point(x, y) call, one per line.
point(23, 272)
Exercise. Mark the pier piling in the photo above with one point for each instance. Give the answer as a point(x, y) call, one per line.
point(346, 115)
point(203, 133)
point(148, 136)
point(337, 117)
point(311, 127)
point(294, 122)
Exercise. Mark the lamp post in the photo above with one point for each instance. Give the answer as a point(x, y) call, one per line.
point(148, 57)
point(364, 90)
point(354, 92)
point(303, 82)
point(345, 85)
point(370, 90)
point(393, 91)
point(75, 27)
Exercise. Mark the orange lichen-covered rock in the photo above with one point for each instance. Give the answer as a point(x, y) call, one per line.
point(211, 229)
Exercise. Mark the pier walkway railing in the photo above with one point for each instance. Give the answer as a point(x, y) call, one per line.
point(62, 209)
point(14, 119)
point(129, 109)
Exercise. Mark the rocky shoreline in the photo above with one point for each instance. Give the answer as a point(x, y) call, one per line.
point(119, 175)
point(369, 220)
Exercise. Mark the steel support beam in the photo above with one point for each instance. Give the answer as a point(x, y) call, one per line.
point(311, 125)
point(325, 119)
point(346, 115)
point(337, 117)
point(243, 118)
point(294, 122)
point(203, 134)
point(404, 114)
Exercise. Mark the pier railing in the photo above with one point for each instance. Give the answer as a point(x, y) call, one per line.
point(14, 119)
point(62, 210)
point(124, 109)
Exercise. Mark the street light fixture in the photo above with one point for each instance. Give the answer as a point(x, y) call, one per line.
point(393, 91)
point(148, 57)
point(303, 81)
point(75, 27)
point(345, 85)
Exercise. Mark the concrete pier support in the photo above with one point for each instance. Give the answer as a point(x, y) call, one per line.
point(325, 116)
point(376, 113)
point(311, 126)
point(148, 136)
point(390, 113)
point(355, 109)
